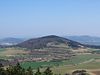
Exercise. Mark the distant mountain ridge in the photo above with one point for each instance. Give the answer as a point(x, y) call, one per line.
point(90, 40)
point(11, 41)
point(49, 41)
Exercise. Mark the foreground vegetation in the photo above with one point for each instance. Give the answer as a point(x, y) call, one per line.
point(18, 70)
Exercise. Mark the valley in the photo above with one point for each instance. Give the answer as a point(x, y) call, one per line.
point(87, 61)
point(60, 54)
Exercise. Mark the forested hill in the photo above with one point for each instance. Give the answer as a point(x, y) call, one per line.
point(49, 41)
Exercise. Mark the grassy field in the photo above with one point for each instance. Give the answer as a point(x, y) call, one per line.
point(87, 61)
point(2, 49)
point(12, 51)
point(8, 53)
point(35, 65)
point(82, 61)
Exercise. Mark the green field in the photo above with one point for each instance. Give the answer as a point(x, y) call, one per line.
point(86, 61)
point(2, 49)
point(76, 60)
point(35, 65)
point(82, 58)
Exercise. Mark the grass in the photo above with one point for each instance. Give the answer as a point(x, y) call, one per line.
point(79, 64)
point(2, 49)
point(68, 66)
point(80, 59)
point(68, 69)
point(35, 65)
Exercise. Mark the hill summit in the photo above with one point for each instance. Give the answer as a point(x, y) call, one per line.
point(50, 41)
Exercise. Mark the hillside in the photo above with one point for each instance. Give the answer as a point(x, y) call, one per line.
point(50, 42)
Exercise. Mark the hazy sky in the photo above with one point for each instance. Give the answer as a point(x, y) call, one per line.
point(30, 18)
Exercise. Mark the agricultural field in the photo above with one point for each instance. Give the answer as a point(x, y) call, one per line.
point(89, 62)
point(96, 72)
point(12, 51)
point(85, 61)
point(2, 49)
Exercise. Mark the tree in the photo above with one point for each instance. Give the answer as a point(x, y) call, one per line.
point(29, 71)
point(17, 70)
point(2, 71)
point(1, 65)
point(38, 72)
point(48, 72)
point(66, 74)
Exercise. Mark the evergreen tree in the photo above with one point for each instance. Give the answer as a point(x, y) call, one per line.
point(48, 72)
point(29, 71)
point(1, 65)
point(2, 71)
point(17, 69)
point(38, 72)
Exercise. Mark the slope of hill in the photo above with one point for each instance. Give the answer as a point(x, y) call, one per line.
point(50, 41)
point(11, 41)
point(90, 40)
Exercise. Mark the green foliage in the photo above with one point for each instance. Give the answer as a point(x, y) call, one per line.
point(18, 70)
point(48, 72)
point(29, 71)
point(35, 65)
point(38, 72)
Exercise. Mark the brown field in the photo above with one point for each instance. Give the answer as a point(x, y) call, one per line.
point(96, 72)
point(12, 52)
point(97, 60)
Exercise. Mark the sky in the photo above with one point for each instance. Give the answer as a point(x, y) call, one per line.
point(32, 18)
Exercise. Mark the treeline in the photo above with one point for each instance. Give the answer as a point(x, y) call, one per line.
point(18, 70)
